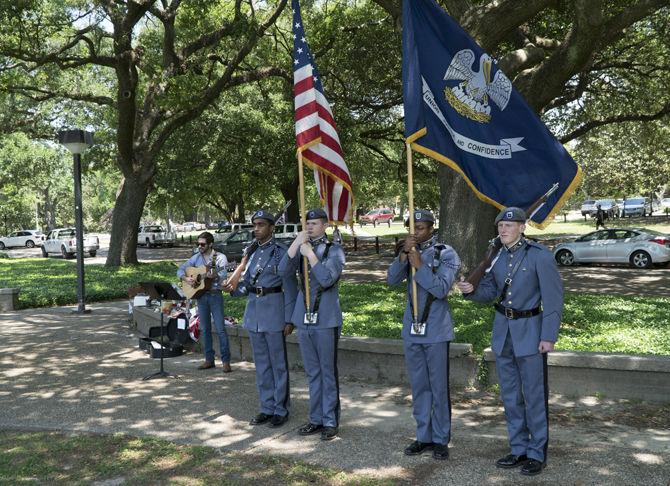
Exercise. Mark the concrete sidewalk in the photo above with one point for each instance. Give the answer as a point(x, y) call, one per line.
point(60, 371)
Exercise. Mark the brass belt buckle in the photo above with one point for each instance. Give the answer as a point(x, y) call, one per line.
point(509, 313)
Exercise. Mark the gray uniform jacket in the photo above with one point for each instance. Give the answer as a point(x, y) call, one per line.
point(325, 274)
point(439, 324)
point(267, 313)
point(536, 282)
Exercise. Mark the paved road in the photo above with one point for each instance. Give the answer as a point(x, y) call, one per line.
point(60, 371)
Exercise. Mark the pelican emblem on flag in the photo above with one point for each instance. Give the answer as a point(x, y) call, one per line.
point(470, 98)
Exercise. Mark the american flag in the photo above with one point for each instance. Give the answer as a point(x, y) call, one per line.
point(316, 132)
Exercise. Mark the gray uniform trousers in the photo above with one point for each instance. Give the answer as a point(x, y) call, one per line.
point(272, 377)
point(319, 355)
point(428, 370)
point(525, 395)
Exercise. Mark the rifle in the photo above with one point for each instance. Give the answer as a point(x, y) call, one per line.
point(248, 251)
point(495, 244)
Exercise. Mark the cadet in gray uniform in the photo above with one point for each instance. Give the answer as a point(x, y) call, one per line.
point(318, 330)
point(426, 343)
point(267, 316)
point(526, 287)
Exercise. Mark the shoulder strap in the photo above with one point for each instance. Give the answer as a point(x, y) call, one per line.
point(508, 280)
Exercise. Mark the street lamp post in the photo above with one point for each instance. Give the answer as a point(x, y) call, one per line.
point(77, 141)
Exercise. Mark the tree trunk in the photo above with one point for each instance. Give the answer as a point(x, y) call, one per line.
point(289, 190)
point(241, 210)
point(125, 222)
point(466, 223)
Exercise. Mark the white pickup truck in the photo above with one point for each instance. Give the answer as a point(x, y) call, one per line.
point(154, 235)
point(64, 241)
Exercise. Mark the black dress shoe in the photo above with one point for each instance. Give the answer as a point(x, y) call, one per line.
point(533, 467)
point(261, 418)
point(511, 461)
point(328, 433)
point(441, 452)
point(278, 420)
point(416, 448)
point(309, 429)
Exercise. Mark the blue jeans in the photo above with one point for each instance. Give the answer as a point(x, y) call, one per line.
point(211, 304)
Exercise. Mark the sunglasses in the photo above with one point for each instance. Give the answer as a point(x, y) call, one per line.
point(202, 244)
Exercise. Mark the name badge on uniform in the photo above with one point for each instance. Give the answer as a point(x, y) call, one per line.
point(310, 318)
point(418, 329)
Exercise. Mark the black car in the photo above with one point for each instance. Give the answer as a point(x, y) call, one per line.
point(234, 244)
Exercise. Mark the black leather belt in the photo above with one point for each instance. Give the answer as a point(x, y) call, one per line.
point(261, 291)
point(516, 314)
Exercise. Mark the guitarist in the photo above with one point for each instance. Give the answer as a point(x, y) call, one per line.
point(210, 304)
point(267, 316)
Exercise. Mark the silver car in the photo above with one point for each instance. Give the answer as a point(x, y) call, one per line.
point(641, 248)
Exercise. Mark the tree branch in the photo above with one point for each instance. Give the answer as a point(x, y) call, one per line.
point(543, 83)
point(212, 38)
point(492, 22)
point(515, 61)
point(224, 81)
point(45, 94)
point(590, 125)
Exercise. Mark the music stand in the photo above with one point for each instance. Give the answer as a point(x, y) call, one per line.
point(160, 291)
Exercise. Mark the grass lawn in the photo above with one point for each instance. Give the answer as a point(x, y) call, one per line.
point(591, 322)
point(79, 459)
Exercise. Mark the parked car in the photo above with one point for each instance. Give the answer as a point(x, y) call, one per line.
point(227, 228)
point(376, 216)
point(63, 241)
point(665, 204)
point(640, 248)
point(588, 207)
point(610, 207)
point(287, 231)
point(190, 226)
point(27, 238)
point(234, 243)
point(154, 235)
point(636, 206)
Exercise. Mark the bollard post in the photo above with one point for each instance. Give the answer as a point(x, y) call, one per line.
point(355, 243)
point(377, 244)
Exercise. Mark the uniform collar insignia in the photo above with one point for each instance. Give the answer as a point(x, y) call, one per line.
point(267, 243)
point(517, 245)
point(318, 241)
point(428, 243)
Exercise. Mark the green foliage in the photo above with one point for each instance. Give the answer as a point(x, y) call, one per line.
point(36, 180)
point(51, 282)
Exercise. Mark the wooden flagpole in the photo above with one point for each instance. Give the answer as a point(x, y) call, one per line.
point(410, 202)
point(303, 219)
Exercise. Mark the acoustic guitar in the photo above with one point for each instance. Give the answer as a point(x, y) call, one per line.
point(202, 280)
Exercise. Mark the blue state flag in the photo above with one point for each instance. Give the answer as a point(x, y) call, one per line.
point(461, 110)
